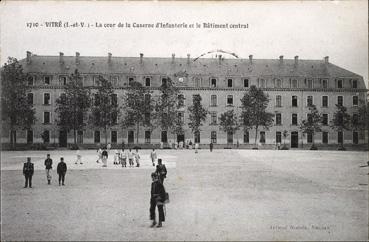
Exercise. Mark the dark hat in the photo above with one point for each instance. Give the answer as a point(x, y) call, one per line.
point(159, 160)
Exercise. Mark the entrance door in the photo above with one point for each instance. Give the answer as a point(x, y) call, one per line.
point(63, 138)
point(294, 139)
point(164, 137)
point(229, 137)
point(180, 138)
point(131, 137)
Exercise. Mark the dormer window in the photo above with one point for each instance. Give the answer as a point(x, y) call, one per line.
point(245, 82)
point(325, 83)
point(354, 83)
point(164, 81)
point(339, 83)
point(278, 83)
point(230, 82)
point(310, 83)
point(294, 83)
point(47, 80)
point(30, 81)
point(63, 80)
point(147, 81)
point(130, 80)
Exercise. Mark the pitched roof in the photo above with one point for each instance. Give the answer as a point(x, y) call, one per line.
point(202, 66)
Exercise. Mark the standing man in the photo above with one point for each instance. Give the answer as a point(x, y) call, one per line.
point(28, 172)
point(157, 199)
point(161, 170)
point(48, 167)
point(105, 158)
point(61, 170)
point(79, 157)
point(153, 156)
point(130, 158)
point(211, 146)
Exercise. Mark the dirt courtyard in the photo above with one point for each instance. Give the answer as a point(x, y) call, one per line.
point(223, 195)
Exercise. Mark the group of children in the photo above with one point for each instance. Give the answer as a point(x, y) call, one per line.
point(120, 157)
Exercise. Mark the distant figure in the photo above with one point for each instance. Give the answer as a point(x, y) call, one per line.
point(196, 148)
point(79, 157)
point(48, 167)
point(161, 145)
point(137, 158)
point(99, 155)
point(108, 147)
point(157, 199)
point(61, 170)
point(190, 145)
point(28, 172)
point(161, 170)
point(105, 158)
point(130, 158)
point(123, 158)
point(153, 157)
point(116, 157)
point(211, 146)
point(123, 145)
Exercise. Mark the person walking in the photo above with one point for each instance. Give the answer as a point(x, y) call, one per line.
point(161, 170)
point(105, 158)
point(130, 158)
point(153, 157)
point(48, 167)
point(79, 157)
point(116, 157)
point(157, 200)
point(61, 170)
point(211, 146)
point(28, 170)
point(99, 155)
point(137, 158)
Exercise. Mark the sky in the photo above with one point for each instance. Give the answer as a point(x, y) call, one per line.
point(308, 29)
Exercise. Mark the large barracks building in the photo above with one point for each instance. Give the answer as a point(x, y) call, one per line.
point(290, 83)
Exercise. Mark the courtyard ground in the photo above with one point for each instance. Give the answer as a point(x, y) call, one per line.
point(223, 195)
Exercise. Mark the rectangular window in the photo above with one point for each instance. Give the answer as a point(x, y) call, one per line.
point(310, 83)
point(262, 137)
point(147, 136)
point(278, 137)
point(340, 137)
point(197, 137)
point(355, 100)
point(229, 100)
point(30, 98)
point(29, 136)
point(309, 101)
point(213, 100)
point(339, 84)
point(113, 137)
point(213, 118)
point(97, 99)
point(147, 119)
point(340, 100)
point(63, 80)
point(325, 137)
point(114, 99)
point(213, 82)
point(324, 83)
point(278, 101)
point(294, 119)
point(30, 80)
point(164, 137)
point(310, 138)
point(131, 80)
point(46, 136)
point(114, 80)
point(164, 81)
point(262, 83)
point(278, 119)
point(97, 136)
point(180, 116)
point(147, 82)
point(294, 83)
point(181, 100)
point(309, 118)
point(80, 137)
point(46, 117)
point(47, 80)
point(46, 98)
point(355, 137)
point(245, 82)
point(294, 101)
point(355, 119)
point(246, 137)
point(230, 83)
point(325, 119)
point(114, 118)
point(278, 83)
point(325, 101)
point(354, 83)
point(213, 137)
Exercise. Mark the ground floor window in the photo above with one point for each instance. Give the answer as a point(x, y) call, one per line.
point(355, 137)
point(164, 137)
point(97, 136)
point(80, 137)
point(29, 136)
point(147, 136)
point(46, 136)
point(310, 138)
point(246, 137)
point(213, 137)
point(278, 137)
point(325, 137)
point(114, 137)
point(131, 137)
point(340, 137)
point(197, 137)
point(229, 137)
point(262, 137)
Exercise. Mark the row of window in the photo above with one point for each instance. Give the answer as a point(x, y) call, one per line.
point(213, 137)
point(262, 83)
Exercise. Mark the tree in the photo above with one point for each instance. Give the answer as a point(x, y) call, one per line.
point(73, 105)
point(138, 107)
point(197, 114)
point(17, 110)
point(361, 121)
point(312, 124)
point(340, 121)
point(254, 114)
point(105, 110)
point(167, 108)
point(229, 122)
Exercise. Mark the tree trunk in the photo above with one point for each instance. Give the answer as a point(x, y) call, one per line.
point(74, 134)
point(137, 131)
point(106, 136)
point(256, 135)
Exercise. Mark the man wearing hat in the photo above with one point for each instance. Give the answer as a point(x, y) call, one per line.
point(28, 172)
point(61, 170)
point(157, 199)
point(161, 170)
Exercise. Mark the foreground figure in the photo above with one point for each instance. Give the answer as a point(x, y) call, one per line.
point(157, 199)
point(61, 170)
point(48, 167)
point(28, 172)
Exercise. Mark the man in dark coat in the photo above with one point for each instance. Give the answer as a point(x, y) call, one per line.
point(161, 170)
point(28, 172)
point(211, 146)
point(48, 167)
point(157, 199)
point(61, 170)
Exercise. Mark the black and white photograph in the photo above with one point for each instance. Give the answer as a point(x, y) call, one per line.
point(184, 120)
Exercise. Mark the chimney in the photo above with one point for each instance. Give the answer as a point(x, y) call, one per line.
point(29, 57)
point(219, 59)
point(296, 60)
point(173, 58)
point(109, 57)
point(141, 58)
point(188, 59)
point(326, 59)
point(281, 59)
point(250, 58)
point(77, 58)
point(61, 58)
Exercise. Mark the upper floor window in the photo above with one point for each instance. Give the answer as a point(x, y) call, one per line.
point(294, 83)
point(213, 100)
point(181, 100)
point(47, 99)
point(97, 99)
point(147, 98)
point(30, 98)
point(340, 100)
point(294, 119)
point(310, 83)
point(114, 80)
point(325, 101)
point(324, 83)
point(164, 81)
point(339, 83)
point(245, 82)
point(230, 82)
point(63, 80)
point(278, 83)
point(213, 136)
point(229, 100)
point(46, 117)
point(354, 83)
point(355, 100)
point(147, 118)
point(294, 101)
point(262, 83)
point(180, 116)
point(309, 101)
point(278, 101)
point(30, 80)
point(96, 80)
point(355, 119)
point(278, 119)
point(114, 99)
point(130, 80)
point(47, 80)
point(213, 118)
point(147, 81)
point(114, 118)
point(213, 82)
point(325, 119)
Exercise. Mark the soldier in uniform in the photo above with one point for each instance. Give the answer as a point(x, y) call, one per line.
point(28, 172)
point(161, 170)
point(61, 170)
point(48, 167)
point(157, 199)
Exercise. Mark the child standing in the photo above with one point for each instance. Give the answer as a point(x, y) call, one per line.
point(130, 158)
point(79, 157)
point(123, 158)
point(137, 156)
point(99, 155)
